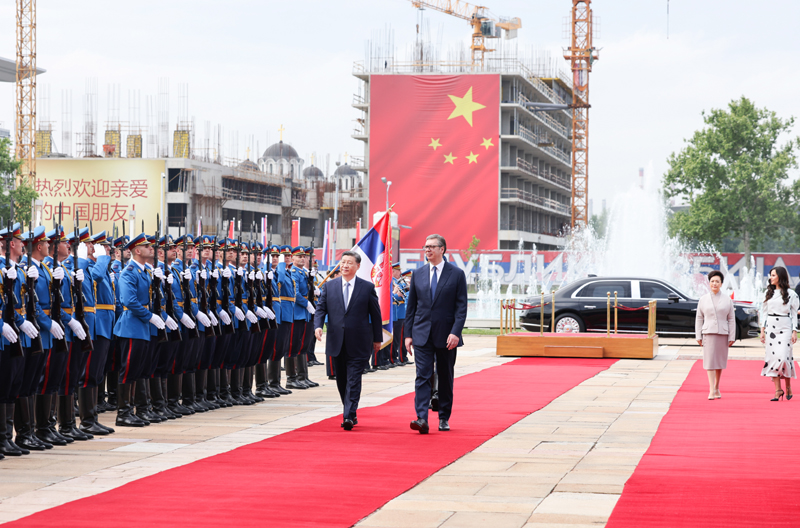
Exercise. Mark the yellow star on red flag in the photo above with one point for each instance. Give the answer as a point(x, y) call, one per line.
point(473, 158)
point(448, 158)
point(435, 143)
point(464, 106)
point(487, 142)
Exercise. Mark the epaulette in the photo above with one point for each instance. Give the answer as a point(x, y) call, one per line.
point(129, 267)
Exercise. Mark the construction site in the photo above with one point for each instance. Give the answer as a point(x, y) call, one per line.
point(200, 179)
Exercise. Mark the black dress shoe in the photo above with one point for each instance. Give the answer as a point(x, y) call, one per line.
point(279, 389)
point(47, 436)
point(383, 367)
point(435, 404)
point(354, 420)
point(312, 383)
point(295, 385)
point(54, 431)
point(420, 425)
point(29, 441)
point(93, 429)
point(74, 433)
point(9, 448)
point(129, 420)
point(348, 424)
point(443, 425)
point(331, 377)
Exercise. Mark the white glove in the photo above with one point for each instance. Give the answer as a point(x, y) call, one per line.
point(29, 329)
point(240, 271)
point(261, 313)
point(187, 321)
point(9, 334)
point(270, 313)
point(311, 309)
point(317, 292)
point(112, 276)
point(99, 250)
point(83, 252)
point(159, 273)
point(215, 273)
point(157, 321)
point(203, 274)
point(58, 273)
point(171, 324)
point(79, 275)
point(252, 276)
point(11, 272)
point(33, 272)
point(252, 317)
point(203, 318)
point(77, 329)
point(259, 275)
point(56, 331)
point(238, 313)
point(226, 273)
point(270, 275)
point(225, 318)
point(187, 274)
point(214, 320)
point(170, 279)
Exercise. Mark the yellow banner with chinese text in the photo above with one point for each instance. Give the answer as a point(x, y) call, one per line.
point(102, 190)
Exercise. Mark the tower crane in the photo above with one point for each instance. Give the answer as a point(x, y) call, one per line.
point(581, 54)
point(26, 89)
point(483, 26)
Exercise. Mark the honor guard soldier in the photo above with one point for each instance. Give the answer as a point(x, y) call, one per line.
point(207, 371)
point(221, 275)
point(287, 296)
point(270, 334)
point(307, 347)
point(274, 361)
point(121, 256)
point(402, 353)
point(295, 378)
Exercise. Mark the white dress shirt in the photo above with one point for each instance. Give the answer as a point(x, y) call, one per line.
point(345, 294)
point(439, 267)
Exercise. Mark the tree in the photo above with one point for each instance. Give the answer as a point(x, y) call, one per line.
point(22, 195)
point(600, 223)
point(734, 175)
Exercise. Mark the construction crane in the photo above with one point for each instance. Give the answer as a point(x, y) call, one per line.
point(483, 26)
point(26, 89)
point(581, 55)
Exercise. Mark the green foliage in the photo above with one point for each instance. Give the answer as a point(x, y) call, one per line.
point(599, 223)
point(734, 175)
point(473, 248)
point(23, 195)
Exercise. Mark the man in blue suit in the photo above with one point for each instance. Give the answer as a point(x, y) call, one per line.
point(354, 321)
point(436, 311)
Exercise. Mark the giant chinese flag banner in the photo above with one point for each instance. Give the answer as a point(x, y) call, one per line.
point(435, 137)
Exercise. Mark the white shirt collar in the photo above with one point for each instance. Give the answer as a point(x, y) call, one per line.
point(439, 267)
point(351, 282)
point(141, 266)
point(36, 262)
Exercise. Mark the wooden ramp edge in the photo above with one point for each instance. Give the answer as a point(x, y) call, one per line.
point(578, 345)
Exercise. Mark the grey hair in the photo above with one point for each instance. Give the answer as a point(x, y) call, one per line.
point(352, 254)
point(439, 238)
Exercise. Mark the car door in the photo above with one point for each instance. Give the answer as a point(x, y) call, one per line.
point(672, 316)
point(592, 302)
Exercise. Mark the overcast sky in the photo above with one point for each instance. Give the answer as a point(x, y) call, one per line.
point(252, 66)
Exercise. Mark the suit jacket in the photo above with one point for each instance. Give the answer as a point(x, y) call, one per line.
point(436, 318)
point(357, 327)
point(715, 319)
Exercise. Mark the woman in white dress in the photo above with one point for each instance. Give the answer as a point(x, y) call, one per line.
point(715, 330)
point(778, 318)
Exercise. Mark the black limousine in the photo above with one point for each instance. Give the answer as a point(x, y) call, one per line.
point(581, 307)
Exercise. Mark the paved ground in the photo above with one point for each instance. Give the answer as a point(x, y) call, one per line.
point(564, 465)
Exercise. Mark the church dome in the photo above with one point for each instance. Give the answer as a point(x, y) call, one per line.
point(280, 150)
point(345, 170)
point(312, 172)
point(248, 165)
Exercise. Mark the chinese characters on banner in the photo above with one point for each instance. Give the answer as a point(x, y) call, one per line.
point(103, 191)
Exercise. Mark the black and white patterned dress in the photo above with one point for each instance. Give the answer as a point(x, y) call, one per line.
point(778, 320)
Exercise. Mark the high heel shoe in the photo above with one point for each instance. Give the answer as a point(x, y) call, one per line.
point(778, 395)
point(789, 396)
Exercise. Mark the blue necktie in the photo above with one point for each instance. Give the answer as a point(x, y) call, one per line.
point(433, 284)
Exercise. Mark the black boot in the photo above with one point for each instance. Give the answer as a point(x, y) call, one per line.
point(262, 384)
point(225, 387)
point(291, 375)
point(188, 393)
point(302, 361)
point(66, 419)
point(174, 382)
point(23, 421)
point(247, 385)
point(125, 416)
point(86, 404)
point(53, 421)
point(140, 400)
point(159, 400)
point(200, 378)
point(236, 376)
point(274, 377)
point(7, 447)
point(165, 392)
point(212, 388)
point(94, 412)
point(111, 385)
point(42, 415)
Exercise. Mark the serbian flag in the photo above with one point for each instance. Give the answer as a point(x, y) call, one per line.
point(376, 266)
point(295, 233)
point(326, 248)
point(436, 138)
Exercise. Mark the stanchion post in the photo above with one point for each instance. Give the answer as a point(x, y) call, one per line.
point(513, 316)
point(651, 319)
point(615, 313)
point(541, 316)
point(502, 316)
point(553, 313)
point(608, 314)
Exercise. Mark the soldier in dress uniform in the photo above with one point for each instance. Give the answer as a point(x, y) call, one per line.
point(223, 341)
point(206, 371)
point(230, 387)
point(295, 378)
point(400, 346)
point(306, 351)
point(133, 328)
point(283, 278)
point(121, 255)
point(274, 360)
point(270, 335)
point(256, 336)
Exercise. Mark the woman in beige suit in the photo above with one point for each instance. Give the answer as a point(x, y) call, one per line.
point(715, 329)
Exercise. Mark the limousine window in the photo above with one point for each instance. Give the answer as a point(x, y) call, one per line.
point(599, 289)
point(654, 290)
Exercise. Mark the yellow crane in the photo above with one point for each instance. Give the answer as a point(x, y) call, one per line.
point(483, 25)
point(26, 89)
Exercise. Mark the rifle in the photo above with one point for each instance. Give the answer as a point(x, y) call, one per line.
point(122, 251)
point(267, 285)
point(111, 248)
point(56, 297)
point(31, 299)
point(251, 286)
point(155, 302)
point(209, 292)
point(9, 297)
point(226, 295)
point(187, 295)
point(77, 292)
point(312, 298)
point(175, 335)
point(238, 291)
point(202, 297)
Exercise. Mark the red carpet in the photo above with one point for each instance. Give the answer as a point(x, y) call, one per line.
point(727, 462)
point(321, 475)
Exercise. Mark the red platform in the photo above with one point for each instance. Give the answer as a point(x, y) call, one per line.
point(599, 345)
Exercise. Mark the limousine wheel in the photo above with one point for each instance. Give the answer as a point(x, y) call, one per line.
point(569, 323)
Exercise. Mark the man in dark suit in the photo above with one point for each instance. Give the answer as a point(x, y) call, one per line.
point(354, 330)
point(436, 311)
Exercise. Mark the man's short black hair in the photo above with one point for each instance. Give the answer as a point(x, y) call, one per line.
point(352, 254)
point(438, 238)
